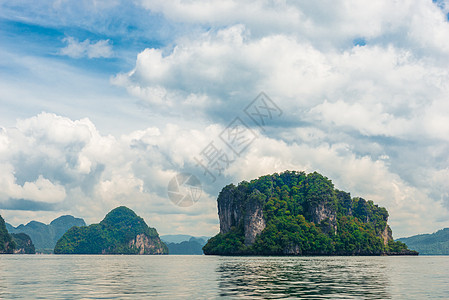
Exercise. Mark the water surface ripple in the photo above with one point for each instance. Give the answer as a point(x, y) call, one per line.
point(211, 277)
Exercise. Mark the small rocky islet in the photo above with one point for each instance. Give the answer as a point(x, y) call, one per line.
point(120, 232)
point(294, 213)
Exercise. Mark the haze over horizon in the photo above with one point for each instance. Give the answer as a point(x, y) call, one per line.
point(104, 102)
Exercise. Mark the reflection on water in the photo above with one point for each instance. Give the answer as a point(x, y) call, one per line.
point(211, 277)
point(323, 277)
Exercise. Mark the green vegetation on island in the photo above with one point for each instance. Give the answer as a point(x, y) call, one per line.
point(294, 213)
point(436, 243)
point(120, 232)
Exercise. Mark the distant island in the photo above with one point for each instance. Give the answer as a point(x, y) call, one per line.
point(14, 243)
point(120, 232)
point(429, 244)
point(184, 244)
point(294, 213)
point(45, 236)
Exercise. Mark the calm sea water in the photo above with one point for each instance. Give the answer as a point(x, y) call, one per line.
point(211, 277)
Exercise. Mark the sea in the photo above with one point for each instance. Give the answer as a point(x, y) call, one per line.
point(214, 277)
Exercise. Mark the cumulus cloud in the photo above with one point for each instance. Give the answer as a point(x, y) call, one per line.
point(50, 159)
point(50, 162)
point(86, 48)
point(385, 87)
point(325, 24)
point(40, 190)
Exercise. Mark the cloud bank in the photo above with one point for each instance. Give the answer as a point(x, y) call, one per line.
point(68, 165)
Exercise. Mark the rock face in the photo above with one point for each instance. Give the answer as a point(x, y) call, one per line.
point(294, 213)
point(235, 209)
point(322, 211)
point(45, 236)
point(120, 232)
point(387, 235)
point(253, 222)
point(146, 245)
point(229, 208)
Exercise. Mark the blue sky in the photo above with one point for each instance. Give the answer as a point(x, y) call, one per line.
point(103, 102)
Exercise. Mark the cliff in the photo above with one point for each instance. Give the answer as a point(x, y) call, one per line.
point(294, 213)
point(45, 236)
point(120, 232)
point(235, 209)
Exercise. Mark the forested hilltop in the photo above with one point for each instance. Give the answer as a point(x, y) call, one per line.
point(294, 213)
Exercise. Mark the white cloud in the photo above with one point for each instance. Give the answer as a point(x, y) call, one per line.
point(375, 90)
point(276, 15)
point(53, 159)
point(324, 24)
point(40, 190)
point(86, 48)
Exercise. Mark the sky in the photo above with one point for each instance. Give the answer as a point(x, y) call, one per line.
point(103, 103)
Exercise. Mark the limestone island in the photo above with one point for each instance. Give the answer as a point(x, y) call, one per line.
point(294, 213)
point(120, 232)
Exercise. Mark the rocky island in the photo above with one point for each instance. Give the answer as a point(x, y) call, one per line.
point(120, 232)
point(294, 213)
